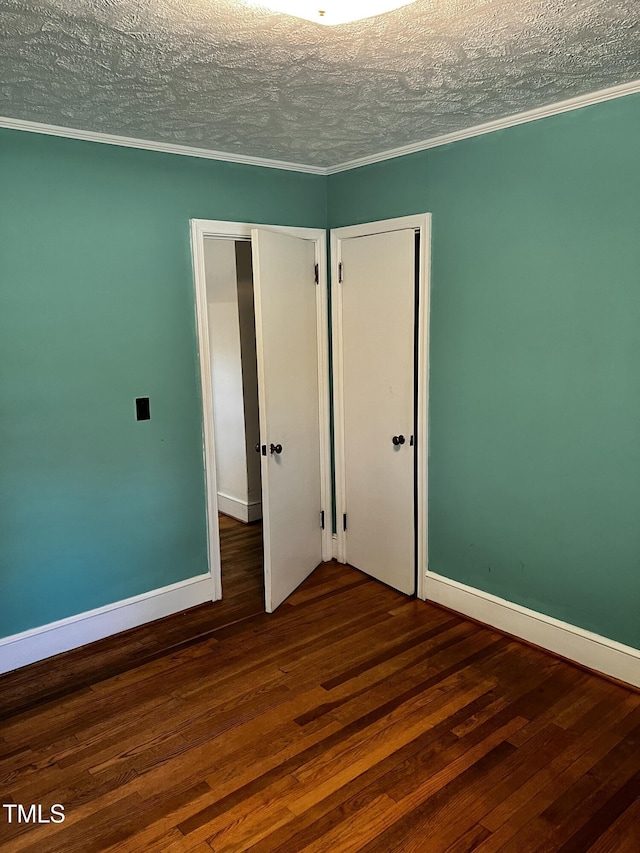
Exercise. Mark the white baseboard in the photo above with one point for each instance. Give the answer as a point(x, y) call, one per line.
point(56, 637)
point(584, 647)
point(241, 510)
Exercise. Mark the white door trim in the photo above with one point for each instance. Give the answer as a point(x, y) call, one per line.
point(421, 223)
point(201, 229)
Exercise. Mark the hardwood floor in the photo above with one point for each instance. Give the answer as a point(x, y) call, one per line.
point(243, 596)
point(352, 719)
point(241, 558)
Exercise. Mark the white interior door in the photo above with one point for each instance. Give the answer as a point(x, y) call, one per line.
point(377, 351)
point(287, 353)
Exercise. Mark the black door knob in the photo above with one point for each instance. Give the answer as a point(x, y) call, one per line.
point(258, 447)
point(398, 439)
point(276, 448)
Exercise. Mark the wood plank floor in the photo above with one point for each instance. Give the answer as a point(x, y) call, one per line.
point(243, 596)
point(353, 719)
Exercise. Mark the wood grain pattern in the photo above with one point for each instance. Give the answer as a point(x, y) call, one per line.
point(352, 719)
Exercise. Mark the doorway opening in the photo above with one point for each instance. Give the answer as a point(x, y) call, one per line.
point(289, 280)
point(234, 388)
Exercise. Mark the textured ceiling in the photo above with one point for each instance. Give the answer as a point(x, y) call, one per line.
point(224, 75)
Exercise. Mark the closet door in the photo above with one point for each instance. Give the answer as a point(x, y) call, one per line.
point(287, 354)
point(375, 388)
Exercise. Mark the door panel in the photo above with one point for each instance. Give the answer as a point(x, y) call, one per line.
point(287, 352)
point(378, 308)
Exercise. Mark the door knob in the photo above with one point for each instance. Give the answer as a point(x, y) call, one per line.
point(276, 448)
point(398, 439)
point(258, 447)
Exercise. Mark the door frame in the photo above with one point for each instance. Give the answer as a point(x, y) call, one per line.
point(202, 229)
point(420, 223)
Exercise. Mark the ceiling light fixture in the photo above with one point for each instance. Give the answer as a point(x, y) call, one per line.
point(332, 12)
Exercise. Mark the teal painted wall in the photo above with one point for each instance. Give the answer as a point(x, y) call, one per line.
point(535, 360)
point(534, 458)
point(96, 308)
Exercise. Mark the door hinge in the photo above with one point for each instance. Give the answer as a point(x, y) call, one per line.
point(340, 270)
point(317, 274)
point(322, 519)
point(344, 521)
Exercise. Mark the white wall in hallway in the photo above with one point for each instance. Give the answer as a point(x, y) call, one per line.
point(226, 373)
point(247, 317)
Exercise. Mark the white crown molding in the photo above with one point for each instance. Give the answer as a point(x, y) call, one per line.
point(491, 126)
point(66, 634)
point(593, 651)
point(434, 142)
point(150, 145)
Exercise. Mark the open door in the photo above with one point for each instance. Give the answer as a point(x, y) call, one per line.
point(288, 385)
point(378, 406)
point(380, 378)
